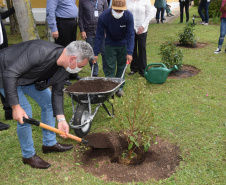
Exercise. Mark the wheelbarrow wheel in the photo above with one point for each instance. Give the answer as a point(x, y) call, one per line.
point(81, 115)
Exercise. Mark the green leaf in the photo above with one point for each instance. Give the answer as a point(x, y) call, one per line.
point(130, 146)
point(132, 139)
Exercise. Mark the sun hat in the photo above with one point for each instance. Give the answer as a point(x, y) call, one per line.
point(119, 5)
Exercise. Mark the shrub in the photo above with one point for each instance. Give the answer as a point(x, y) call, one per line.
point(214, 8)
point(187, 36)
point(135, 118)
point(196, 2)
point(171, 55)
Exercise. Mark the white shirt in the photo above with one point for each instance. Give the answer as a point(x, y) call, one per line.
point(141, 10)
point(1, 36)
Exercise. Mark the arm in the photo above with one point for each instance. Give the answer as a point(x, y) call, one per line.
point(7, 13)
point(81, 22)
point(51, 7)
point(99, 37)
point(130, 35)
point(106, 5)
point(147, 15)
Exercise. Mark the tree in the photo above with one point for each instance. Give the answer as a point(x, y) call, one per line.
point(14, 27)
point(25, 19)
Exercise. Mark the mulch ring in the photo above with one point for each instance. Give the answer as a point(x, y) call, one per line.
point(160, 162)
point(198, 45)
point(185, 72)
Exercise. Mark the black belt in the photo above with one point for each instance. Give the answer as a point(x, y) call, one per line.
point(69, 19)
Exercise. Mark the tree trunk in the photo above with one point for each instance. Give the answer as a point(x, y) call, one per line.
point(14, 27)
point(25, 19)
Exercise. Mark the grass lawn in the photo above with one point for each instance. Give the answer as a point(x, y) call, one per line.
point(183, 115)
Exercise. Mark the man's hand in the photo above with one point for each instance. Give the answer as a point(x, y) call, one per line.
point(55, 34)
point(18, 113)
point(129, 58)
point(83, 35)
point(95, 59)
point(63, 126)
point(140, 30)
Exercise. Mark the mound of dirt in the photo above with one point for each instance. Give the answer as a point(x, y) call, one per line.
point(95, 85)
point(160, 162)
point(185, 72)
point(198, 45)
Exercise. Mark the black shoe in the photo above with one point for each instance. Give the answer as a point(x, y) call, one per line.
point(157, 21)
point(56, 148)
point(141, 74)
point(171, 14)
point(164, 19)
point(4, 126)
point(67, 83)
point(132, 73)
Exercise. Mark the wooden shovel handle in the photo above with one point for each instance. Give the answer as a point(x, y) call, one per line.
point(47, 127)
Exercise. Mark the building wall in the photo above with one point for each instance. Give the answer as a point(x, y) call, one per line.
point(39, 8)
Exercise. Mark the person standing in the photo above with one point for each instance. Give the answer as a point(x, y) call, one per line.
point(204, 5)
point(34, 66)
point(141, 10)
point(222, 28)
point(184, 4)
point(62, 20)
point(4, 44)
point(118, 24)
point(160, 5)
point(89, 12)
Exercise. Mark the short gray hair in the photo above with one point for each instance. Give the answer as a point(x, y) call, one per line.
point(81, 50)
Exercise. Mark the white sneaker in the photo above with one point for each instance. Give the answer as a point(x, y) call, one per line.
point(205, 24)
point(202, 23)
point(217, 51)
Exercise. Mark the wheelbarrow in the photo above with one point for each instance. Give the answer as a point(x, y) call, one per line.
point(82, 113)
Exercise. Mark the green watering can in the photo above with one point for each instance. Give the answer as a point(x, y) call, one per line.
point(157, 73)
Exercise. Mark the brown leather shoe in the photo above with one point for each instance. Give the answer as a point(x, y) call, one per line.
point(36, 162)
point(56, 148)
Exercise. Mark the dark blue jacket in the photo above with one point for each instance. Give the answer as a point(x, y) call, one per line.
point(119, 32)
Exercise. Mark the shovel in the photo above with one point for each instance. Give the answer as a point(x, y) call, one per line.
point(80, 140)
point(47, 127)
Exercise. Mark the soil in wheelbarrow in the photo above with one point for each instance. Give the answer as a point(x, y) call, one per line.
point(88, 86)
point(159, 162)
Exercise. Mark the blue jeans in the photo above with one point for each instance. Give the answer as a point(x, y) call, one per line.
point(222, 31)
point(24, 131)
point(91, 41)
point(204, 5)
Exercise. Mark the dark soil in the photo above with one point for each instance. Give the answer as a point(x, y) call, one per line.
point(96, 85)
point(185, 72)
point(198, 45)
point(160, 162)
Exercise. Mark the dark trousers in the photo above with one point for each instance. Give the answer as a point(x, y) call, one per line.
point(139, 61)
point(6, 107)
point(115, 57)
point(186, 6)
point(204, 5)
point(67, 28)
point(158, 12)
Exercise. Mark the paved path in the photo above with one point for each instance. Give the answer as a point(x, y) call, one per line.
point(175, 12)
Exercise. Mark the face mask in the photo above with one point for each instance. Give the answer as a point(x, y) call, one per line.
point(75, 70)
point(117, 15)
